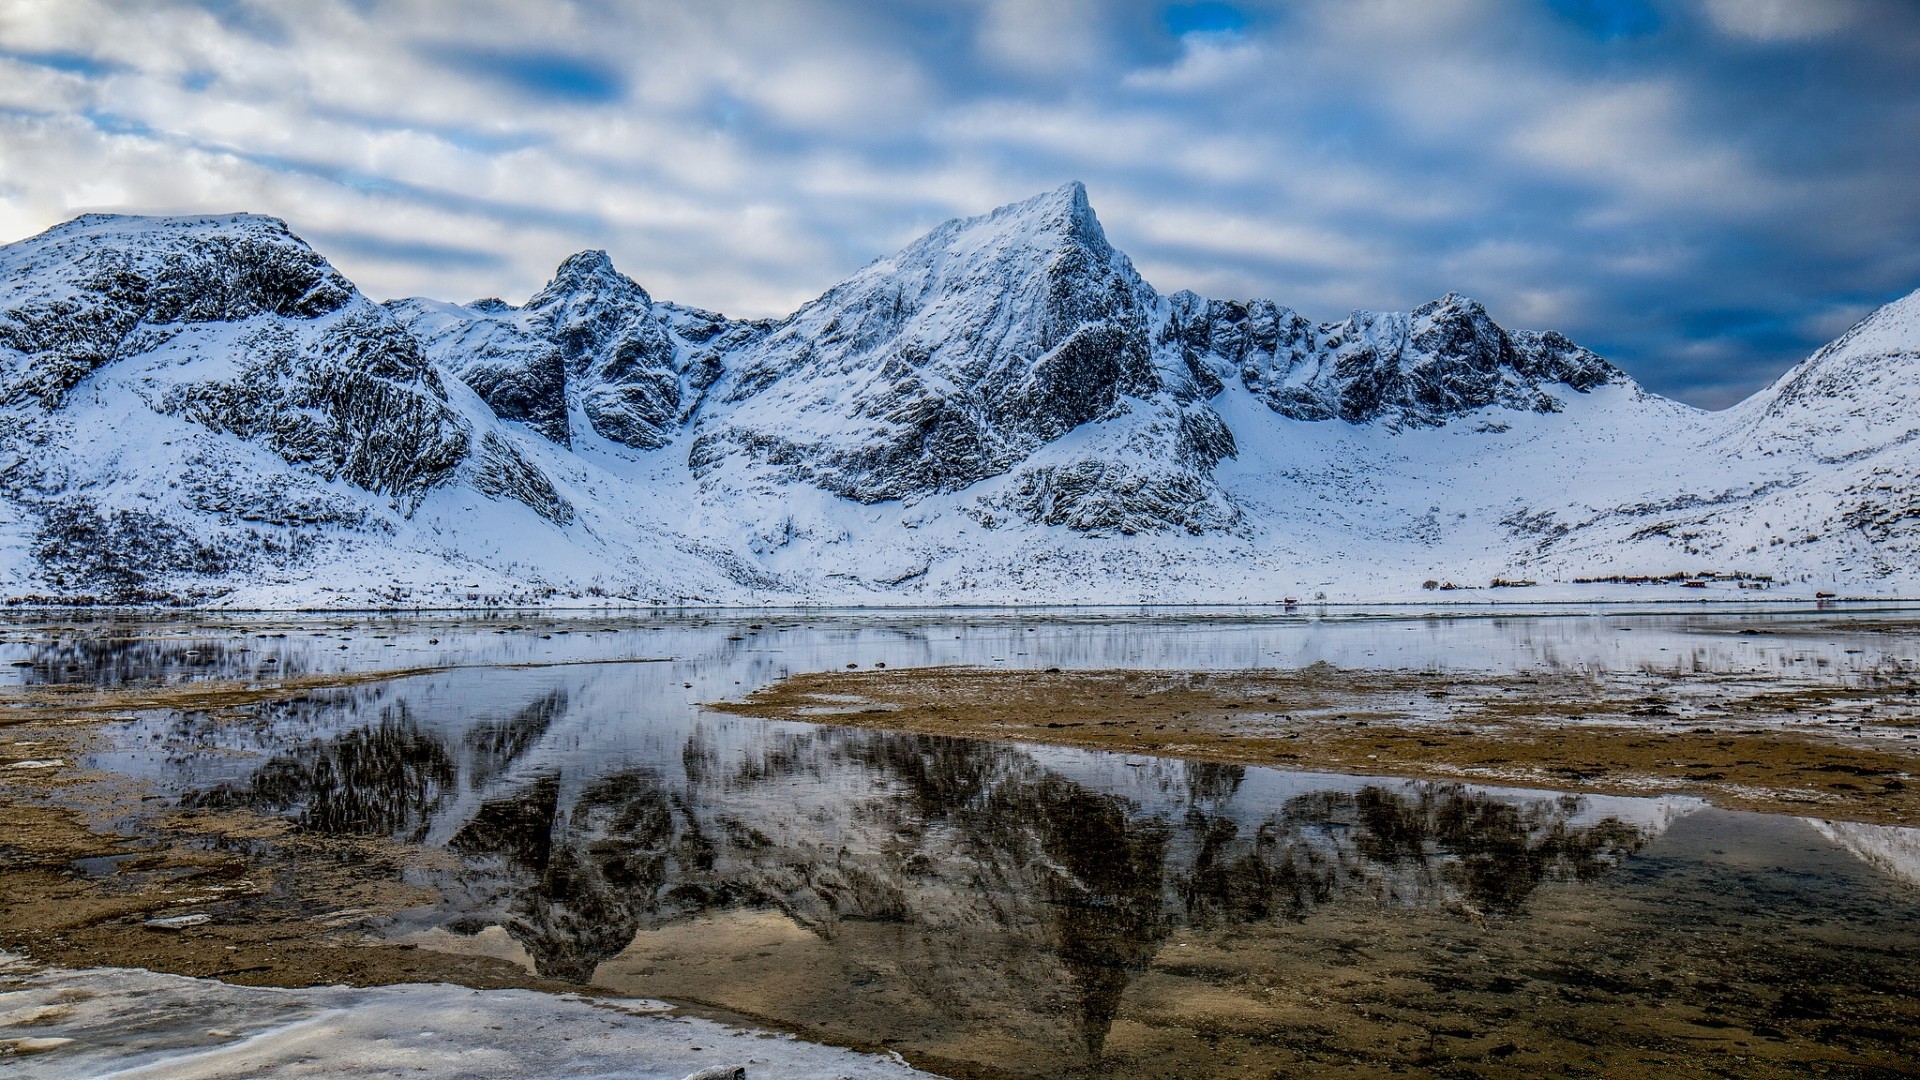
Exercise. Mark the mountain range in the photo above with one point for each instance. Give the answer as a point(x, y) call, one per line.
point(202, 410)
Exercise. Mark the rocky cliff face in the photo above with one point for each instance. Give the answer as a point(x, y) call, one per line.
point(1442, 360)
point(147, 364)
point(92, 291)
point(960, 357)
point(303, 364)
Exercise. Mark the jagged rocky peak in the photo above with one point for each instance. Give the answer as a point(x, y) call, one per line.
point(949, 362)
point(1443, 359)
point(618, 355)
point(1259, 342)
point(590, 276)
point(593, 337)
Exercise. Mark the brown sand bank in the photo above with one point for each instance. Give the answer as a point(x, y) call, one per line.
point(1835, 752)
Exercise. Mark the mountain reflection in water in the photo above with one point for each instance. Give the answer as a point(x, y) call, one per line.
point(1064, 871)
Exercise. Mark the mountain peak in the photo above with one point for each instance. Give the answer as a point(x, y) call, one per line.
point(1064, 211)
point(1452, 303)
point(1050, 222)
point(590, 273)
point(1069, 199)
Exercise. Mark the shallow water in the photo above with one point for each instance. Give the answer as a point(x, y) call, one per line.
point(752, 648)
point(999, 909)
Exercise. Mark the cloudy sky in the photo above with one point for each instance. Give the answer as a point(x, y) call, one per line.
point(1703, 190)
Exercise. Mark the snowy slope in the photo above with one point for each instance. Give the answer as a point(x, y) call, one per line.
point(962, 357)
point(203, 410)
point(195, 404)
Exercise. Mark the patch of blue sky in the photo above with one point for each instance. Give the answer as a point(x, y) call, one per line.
point(1609, 20)
point(551, 75)
point(1764, 328)
point(70, 62)
point(419, 252)
point(1204, 18)
point(113, 123)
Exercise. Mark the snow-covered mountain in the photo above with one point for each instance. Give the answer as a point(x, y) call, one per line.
point(202, 409)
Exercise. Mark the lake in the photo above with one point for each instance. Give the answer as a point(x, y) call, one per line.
point(553, 794)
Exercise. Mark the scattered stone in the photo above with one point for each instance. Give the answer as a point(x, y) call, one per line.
point(178, 922)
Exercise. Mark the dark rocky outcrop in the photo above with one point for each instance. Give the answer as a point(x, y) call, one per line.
point(357, 402)
point(591, 338)
point(1436, 363)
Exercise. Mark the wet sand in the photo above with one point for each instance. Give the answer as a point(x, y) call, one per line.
point(1832, 751)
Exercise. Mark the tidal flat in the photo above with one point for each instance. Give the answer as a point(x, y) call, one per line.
point(1000, 842)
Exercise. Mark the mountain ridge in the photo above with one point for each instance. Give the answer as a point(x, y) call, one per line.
point(1002, 410)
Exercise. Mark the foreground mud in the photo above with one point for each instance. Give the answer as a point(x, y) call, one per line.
point(100, 873)
point(1838, 752)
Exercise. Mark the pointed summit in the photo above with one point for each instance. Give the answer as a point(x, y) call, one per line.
point(1052, 222)
point(588, 276)
point(1064, 210)
point(957, 358)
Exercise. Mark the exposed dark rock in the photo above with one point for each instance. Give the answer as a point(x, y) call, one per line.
point(960, 357)
point(1442, 360)
point(593, 337)
point(502, 472)
point(120, 554)
point(359, 403)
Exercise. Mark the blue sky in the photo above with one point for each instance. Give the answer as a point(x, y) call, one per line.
point(1703, 190)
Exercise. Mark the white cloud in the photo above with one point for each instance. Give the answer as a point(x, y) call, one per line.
point(1193, 230)
point(1631, 138)
point(744, 154)
point(1207, 62)
point(1782, 20)
point(1043, 37)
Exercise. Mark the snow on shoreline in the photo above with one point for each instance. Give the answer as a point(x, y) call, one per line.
point(133, 1025)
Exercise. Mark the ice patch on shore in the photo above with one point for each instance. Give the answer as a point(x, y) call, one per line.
point(1891, 849)
point(126, 1024)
